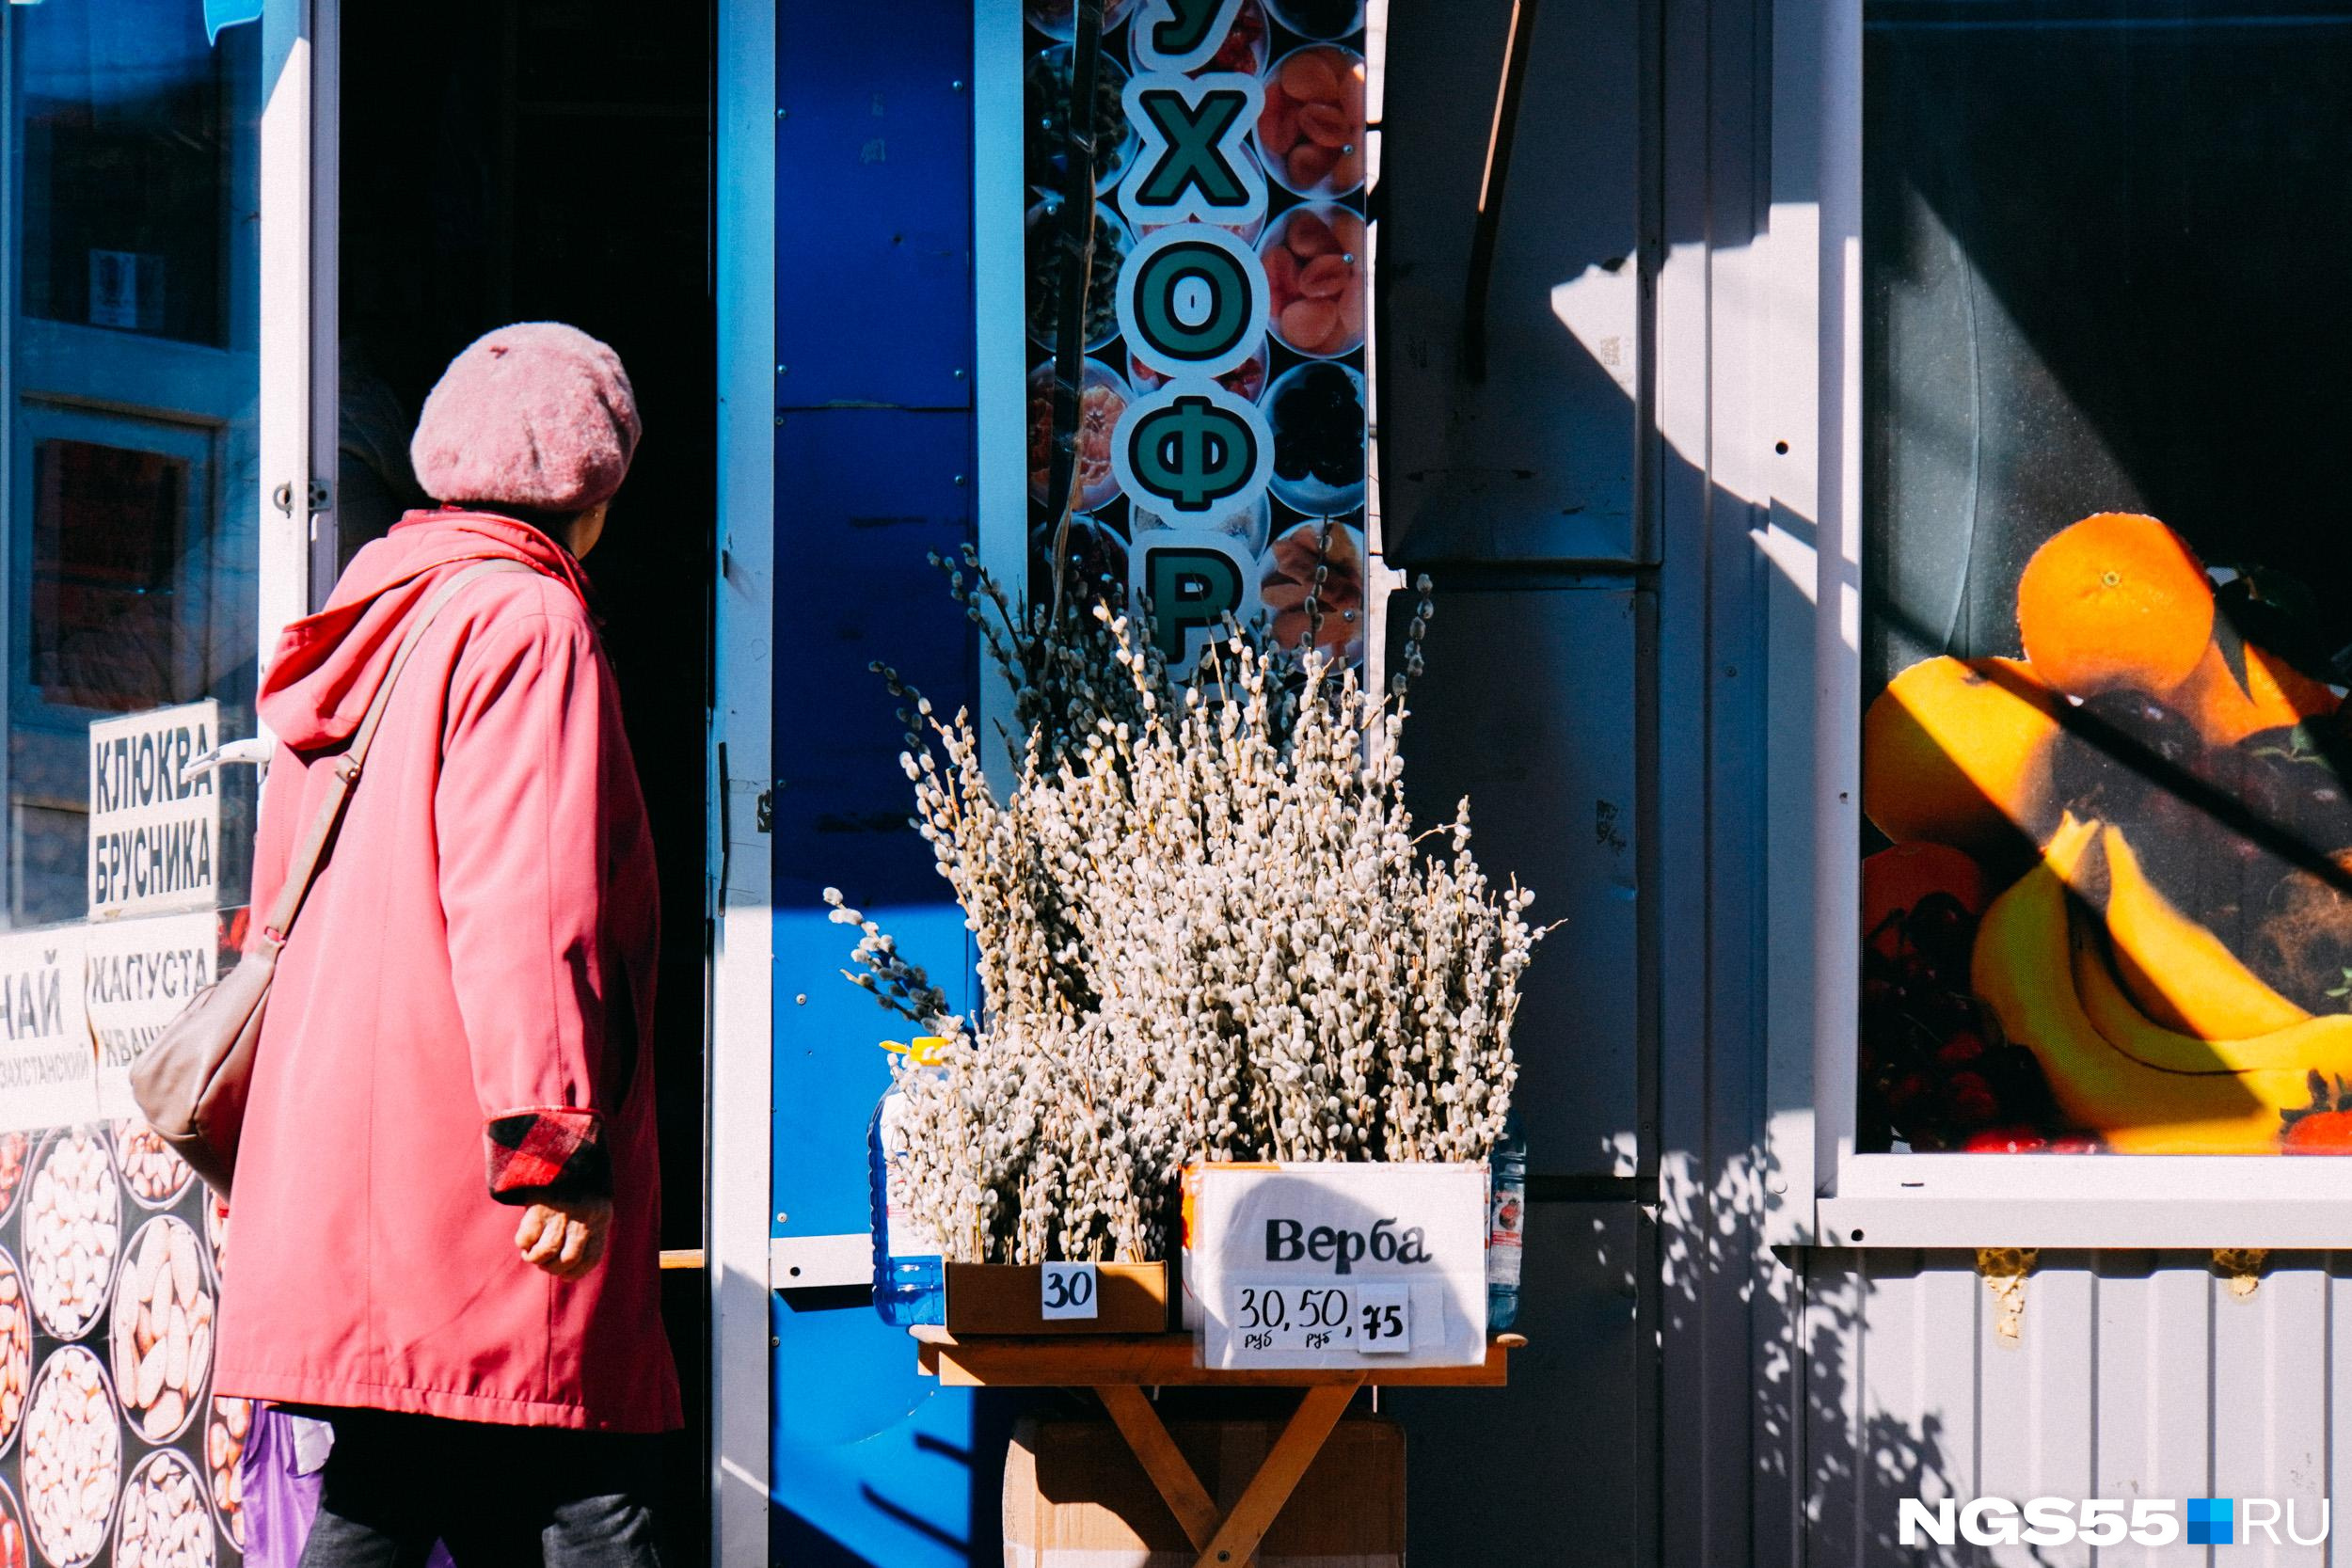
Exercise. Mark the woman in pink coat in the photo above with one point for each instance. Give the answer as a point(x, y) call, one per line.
point(446, 1199)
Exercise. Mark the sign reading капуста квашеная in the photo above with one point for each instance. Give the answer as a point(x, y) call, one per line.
point(154, 830)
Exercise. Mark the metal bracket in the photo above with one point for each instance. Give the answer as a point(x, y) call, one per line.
point(316, 498)
point(254, 751)
point(816, 1262)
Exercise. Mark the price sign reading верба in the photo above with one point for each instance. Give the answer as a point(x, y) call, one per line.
point(155, 833)
point(1337, 1265)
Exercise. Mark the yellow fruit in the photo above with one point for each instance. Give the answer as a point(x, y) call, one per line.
point(2182, 976)
point(1959, 752)
point(2023, 969)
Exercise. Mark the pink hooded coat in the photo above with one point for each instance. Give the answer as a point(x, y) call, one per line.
point(476, 958)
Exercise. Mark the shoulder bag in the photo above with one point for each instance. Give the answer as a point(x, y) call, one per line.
point(191, 1082)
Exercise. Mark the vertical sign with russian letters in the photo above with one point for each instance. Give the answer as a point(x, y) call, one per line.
point(1221, 428)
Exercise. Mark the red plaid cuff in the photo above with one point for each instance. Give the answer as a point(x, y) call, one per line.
point(547, 1151)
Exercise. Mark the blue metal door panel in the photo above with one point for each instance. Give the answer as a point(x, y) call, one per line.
point(871, 1463)
point(868, 1456)
point(874, 204)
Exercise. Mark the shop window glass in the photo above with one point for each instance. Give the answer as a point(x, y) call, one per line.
point(129, 508)
point(2108, 874)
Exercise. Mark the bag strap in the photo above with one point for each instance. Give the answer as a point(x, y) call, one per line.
point(304, 868)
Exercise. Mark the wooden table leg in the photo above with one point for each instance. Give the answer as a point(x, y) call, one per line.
point(1147, 1434)
point(1286, 1462)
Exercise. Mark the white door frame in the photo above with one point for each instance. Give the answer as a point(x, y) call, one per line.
point(742, 1019)
point(291, 66)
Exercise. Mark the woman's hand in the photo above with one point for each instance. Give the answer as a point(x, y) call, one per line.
point(565, 1239)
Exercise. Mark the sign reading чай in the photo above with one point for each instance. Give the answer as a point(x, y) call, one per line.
point(155, 832)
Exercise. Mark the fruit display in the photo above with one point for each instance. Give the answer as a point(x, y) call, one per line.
point(1333, 611)
point(1317, 411)
point(1310, 129)
point(1321, 19)
point(1112, 241)
point(1048, 82)
point(1314, 275)
point(2115, 910)
point(1101, 399)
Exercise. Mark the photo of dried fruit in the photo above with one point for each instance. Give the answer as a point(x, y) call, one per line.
point(1047, 83)
point(71, 1232)
point(16, 1351)
point(1315, 267)
point(2113, 907)
point(1318, 412)
point(1112, 241)
point(13, 1547)
point(153, 1174)
point(1320, 19)
point(1102, 397)
point(72, 1467)
point(1310, 129)
point(163, 1522)
point(14, 1148)
point(224, 1447)
point(162, 1329)
point(1312, 579)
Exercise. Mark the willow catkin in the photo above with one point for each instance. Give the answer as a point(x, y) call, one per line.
point(1204, 927)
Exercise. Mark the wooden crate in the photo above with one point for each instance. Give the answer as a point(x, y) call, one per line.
point(1004, 1298)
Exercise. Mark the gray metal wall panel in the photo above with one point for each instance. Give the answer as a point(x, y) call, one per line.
point(2132, 1375)
point(1540, 1472)
point(1527, 707)
point(1537, 460)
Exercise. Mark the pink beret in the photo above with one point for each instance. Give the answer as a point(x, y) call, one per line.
point(536, 415)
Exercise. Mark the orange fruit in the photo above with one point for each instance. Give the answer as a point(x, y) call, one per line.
point(1959, 752)
point(2114, 600)
point(2274, 695)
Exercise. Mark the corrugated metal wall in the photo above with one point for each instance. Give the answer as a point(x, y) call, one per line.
point(2132, 1374)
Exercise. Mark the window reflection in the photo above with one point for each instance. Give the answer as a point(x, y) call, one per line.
point(129, 507)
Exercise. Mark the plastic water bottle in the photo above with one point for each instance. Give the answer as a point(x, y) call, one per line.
point(1507, 1225)
point(909, 1279)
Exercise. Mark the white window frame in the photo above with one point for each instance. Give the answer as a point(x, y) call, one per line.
point(1817, 1189)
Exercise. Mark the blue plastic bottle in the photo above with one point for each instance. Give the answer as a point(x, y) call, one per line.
point(910, 1280)
point(1507, 1225)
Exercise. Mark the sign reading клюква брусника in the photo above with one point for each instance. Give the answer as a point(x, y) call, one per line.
point(154, 829)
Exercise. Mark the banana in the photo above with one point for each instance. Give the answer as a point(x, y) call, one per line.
point(2023, 969)
point(2321, 1044)
point(2182, 976)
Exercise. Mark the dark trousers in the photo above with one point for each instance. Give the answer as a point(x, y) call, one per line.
point(499, 1496)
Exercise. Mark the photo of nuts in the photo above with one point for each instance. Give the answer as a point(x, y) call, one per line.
point(13, 1148)
point(16, 1352)
point(216, 1227)
point(72, 1232)
point(11, 1530)
point(224, 1448)
point(154, 1176)
point(163, 1329)
point(165, 1522)
point(72, 1467)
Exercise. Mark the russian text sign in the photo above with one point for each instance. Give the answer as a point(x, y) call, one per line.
point(155, 832)
point(47, 1070)
point(142, 973)
point(1323, 1264)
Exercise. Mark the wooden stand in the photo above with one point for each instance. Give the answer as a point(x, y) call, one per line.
point(1118, 1367)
